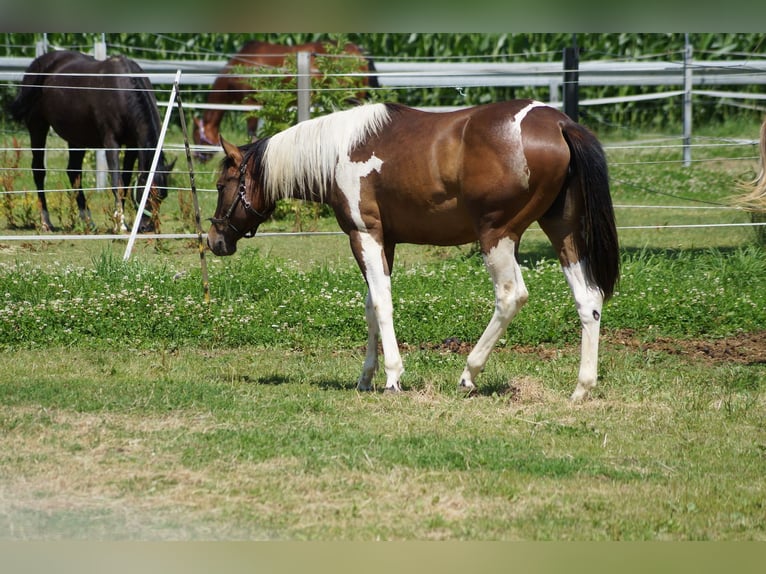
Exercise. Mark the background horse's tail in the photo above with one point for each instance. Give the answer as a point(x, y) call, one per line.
point(589, 173)
point(754, 198)
point(30, 92)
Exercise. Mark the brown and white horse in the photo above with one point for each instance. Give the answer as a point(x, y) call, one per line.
point(230, 88)
point(393, 174)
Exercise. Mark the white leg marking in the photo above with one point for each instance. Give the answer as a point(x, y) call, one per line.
point(510, 296)
point(348, 175)
point(371, 359)
point(519, 160)
point(589, 301)
point(379, 285)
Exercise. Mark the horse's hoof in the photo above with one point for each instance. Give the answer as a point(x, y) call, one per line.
point(466, 386)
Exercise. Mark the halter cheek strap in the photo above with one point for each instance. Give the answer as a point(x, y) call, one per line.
point(241, 198)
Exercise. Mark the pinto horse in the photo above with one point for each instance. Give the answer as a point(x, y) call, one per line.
point(92, 104)
point(229, 88)
point(393, 174)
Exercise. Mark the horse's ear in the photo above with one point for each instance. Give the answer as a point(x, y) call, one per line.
point(171, 165)
point(231, 150)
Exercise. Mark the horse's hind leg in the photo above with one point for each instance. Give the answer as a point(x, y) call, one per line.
point(37, 141)
point(74, 172)
point(589, 301)
point(510, 296)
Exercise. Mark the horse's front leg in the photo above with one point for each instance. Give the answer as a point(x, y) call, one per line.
point(120, 183)
point(371, 358)
point(375, 263)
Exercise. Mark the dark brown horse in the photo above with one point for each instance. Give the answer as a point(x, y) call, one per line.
point(397, 175)
point(229, 88)
point(92, 104)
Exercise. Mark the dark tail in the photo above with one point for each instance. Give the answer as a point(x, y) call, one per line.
point(25, 100)
point(591, 176)
point(30, 92)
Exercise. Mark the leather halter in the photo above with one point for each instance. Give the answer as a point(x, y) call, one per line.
point(241, 198)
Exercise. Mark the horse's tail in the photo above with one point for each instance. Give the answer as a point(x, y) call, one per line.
point(754, 192)
point(30, 92)
point(589, 173)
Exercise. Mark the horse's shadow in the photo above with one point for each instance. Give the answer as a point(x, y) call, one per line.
point(276, 379)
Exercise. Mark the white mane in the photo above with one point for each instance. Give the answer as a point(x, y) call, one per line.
point(304, 156)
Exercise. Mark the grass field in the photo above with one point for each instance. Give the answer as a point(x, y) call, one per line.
point(130, 409)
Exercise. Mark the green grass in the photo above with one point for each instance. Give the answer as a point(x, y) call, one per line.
point(263, 444)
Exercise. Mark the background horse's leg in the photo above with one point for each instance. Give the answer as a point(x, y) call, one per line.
point(74, 172)
point(38, 135)
point(375, 263)
point(121, 186)
point(510, 296)
point(252, 127)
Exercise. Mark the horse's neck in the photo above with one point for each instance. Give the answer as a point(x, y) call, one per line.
point(224, 91)
point(212, 117)
point(221, 93)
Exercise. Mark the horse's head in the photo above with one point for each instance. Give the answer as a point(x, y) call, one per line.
point(157, 192)
point(204, 134)
point(242, 206)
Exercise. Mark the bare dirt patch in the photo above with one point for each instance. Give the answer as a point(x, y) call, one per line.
point(743, 348)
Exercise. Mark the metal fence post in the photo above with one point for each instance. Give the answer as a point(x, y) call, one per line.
point(304, 86)
point(687, 102)
point(571, 80)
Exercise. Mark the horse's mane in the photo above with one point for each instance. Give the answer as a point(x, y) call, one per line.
point(302, 159)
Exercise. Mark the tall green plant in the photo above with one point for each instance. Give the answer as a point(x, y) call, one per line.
point(335, 86)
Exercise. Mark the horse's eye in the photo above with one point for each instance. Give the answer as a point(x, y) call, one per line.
point(220, 187)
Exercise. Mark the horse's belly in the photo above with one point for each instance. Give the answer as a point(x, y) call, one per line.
point(430, 227)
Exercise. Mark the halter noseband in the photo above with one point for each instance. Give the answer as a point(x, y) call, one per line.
point(241, 197)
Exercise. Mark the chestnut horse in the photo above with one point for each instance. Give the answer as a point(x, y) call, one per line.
point(93, 104)
point(393, 174)
point(229, 88)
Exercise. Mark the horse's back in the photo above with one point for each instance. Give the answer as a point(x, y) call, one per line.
point(84, 108)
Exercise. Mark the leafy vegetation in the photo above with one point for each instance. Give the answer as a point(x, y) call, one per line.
point(542, 47)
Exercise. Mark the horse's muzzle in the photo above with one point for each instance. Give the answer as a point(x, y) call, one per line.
point(203, 156)
point(219, 244)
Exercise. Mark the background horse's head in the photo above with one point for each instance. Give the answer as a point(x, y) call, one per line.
point(242, 205)
point(157, 192)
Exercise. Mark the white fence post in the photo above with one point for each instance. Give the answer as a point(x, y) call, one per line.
point(99, 52)
point(304, 86)
point(153, 168)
